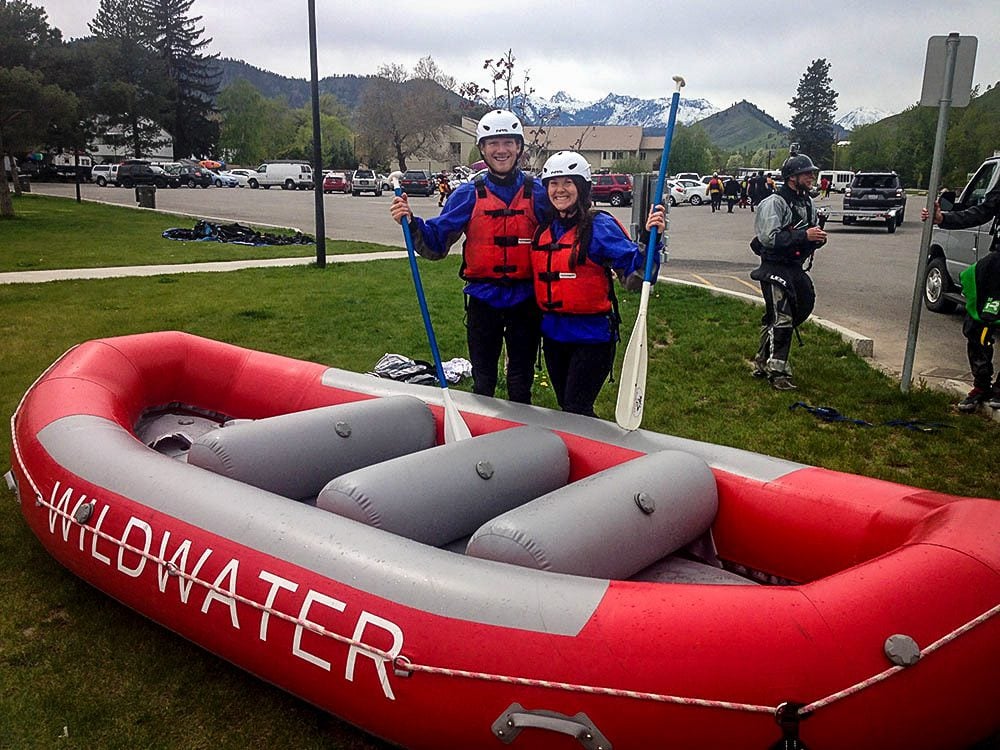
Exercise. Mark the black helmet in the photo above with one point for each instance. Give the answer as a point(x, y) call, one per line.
point(798, 164)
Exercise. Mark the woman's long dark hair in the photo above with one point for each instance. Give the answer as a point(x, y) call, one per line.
point(582, 218)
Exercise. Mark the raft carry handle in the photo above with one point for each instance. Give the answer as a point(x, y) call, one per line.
point(510, 723)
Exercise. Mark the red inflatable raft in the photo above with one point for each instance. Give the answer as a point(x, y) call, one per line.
point(552, 582)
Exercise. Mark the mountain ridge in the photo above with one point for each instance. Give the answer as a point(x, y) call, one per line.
point(742, 125)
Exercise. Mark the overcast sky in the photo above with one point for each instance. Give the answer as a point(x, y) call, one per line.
point(755, 50)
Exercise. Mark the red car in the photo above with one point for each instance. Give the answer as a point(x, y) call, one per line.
point(336, 182)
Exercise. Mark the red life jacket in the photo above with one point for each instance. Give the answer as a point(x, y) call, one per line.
point(498, 237)
point(565, 283)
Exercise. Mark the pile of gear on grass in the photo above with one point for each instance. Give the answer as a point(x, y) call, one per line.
point(420, 372)
point(235, 234)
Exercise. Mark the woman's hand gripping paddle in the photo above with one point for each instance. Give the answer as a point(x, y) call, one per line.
point(632, 385)
point(455, 428)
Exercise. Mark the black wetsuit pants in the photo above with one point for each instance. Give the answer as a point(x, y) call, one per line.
point(578, 372)
point(488, 329)
point(980, 349)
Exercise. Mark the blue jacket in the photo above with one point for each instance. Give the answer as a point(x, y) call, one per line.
point(433, 238)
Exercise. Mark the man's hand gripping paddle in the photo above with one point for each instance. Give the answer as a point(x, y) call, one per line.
point(632, 386)
point(455, 428)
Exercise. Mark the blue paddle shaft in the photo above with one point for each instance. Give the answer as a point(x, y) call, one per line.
point(415, 272)
point(660, 179)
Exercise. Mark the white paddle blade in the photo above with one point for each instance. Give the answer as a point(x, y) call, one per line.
point(632, 388)
point(455, 428)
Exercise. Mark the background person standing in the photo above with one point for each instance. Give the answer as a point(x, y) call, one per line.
point(982, 312)
point(787, 235)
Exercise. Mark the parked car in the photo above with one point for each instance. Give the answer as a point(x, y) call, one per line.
point(615, 189)
point(224, 179)
point(696, 191)
point(336, 182)
point(688, 176)
point(288, 174)
point(417, 182)
point(674, 193)
point(951, 251)
point(365, 181)
point(243, 175)
point(193, 176)
point(875, 191)
point(102, 174)
point(132, 174)
point(386, 182)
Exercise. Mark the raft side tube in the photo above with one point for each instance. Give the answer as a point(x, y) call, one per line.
point(445, 493)
point(295, 454)
point(610, 525)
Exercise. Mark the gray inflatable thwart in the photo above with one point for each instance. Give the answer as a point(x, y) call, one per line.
point(609, 525)
point(295, 454)
point(443, 494)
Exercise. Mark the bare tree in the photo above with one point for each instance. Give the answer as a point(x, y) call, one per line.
point(428, 70)
point(401, 116)
point(503, 91)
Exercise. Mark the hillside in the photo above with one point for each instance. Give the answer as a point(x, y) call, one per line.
point(347, 88)
point(744, 127)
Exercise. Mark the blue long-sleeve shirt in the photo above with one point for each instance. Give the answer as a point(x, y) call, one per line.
point(434, 237)
point(609, 246)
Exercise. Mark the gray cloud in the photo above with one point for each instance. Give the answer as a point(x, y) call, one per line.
point(756, 51)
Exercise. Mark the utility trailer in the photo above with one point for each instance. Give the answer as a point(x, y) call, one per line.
point(890, 217)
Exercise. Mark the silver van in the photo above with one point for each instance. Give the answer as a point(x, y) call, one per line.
point(954, 250)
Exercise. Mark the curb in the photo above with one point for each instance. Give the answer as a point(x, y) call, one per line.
point(861, 345)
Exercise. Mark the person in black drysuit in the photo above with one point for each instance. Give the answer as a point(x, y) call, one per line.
point(787, 234)
point(979, 334)
point(731, 188)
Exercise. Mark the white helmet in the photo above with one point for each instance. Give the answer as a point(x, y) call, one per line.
point(499, 122)
point(566, 163)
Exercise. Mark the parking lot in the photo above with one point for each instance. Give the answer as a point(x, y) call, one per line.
point(864, 276)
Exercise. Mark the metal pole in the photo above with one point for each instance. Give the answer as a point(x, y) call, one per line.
point(317, 148)
point(944, 108)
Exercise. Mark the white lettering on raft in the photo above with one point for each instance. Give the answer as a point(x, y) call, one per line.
point(140, 536)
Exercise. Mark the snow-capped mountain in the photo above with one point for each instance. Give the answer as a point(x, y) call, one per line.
point(615, 109)
point(860, 116)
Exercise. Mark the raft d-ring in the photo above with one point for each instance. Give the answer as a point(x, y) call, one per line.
point(401, 667)
point(516, 718)
point(788, 717)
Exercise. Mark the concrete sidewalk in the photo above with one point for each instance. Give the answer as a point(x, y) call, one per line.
point(35, 277)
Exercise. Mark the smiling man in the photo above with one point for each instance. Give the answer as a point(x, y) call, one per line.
point(498, 212)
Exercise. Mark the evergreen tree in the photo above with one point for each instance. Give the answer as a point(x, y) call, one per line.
point(130, 88)
point(177, 43)
point(814, 104)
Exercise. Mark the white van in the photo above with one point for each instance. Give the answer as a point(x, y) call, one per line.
point(289, 174)
point(840, 180)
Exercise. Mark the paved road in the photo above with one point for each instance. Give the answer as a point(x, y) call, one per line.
point(864, 277)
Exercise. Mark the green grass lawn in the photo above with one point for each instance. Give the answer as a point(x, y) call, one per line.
point(71, 658)
point(50, 233)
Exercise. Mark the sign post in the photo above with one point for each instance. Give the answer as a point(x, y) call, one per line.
point(947, 83)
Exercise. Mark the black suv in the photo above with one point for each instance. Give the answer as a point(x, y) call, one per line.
point(875, 191)
point(416, 182)
point(131, 174)
point(193, 176)
point(615, 189)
